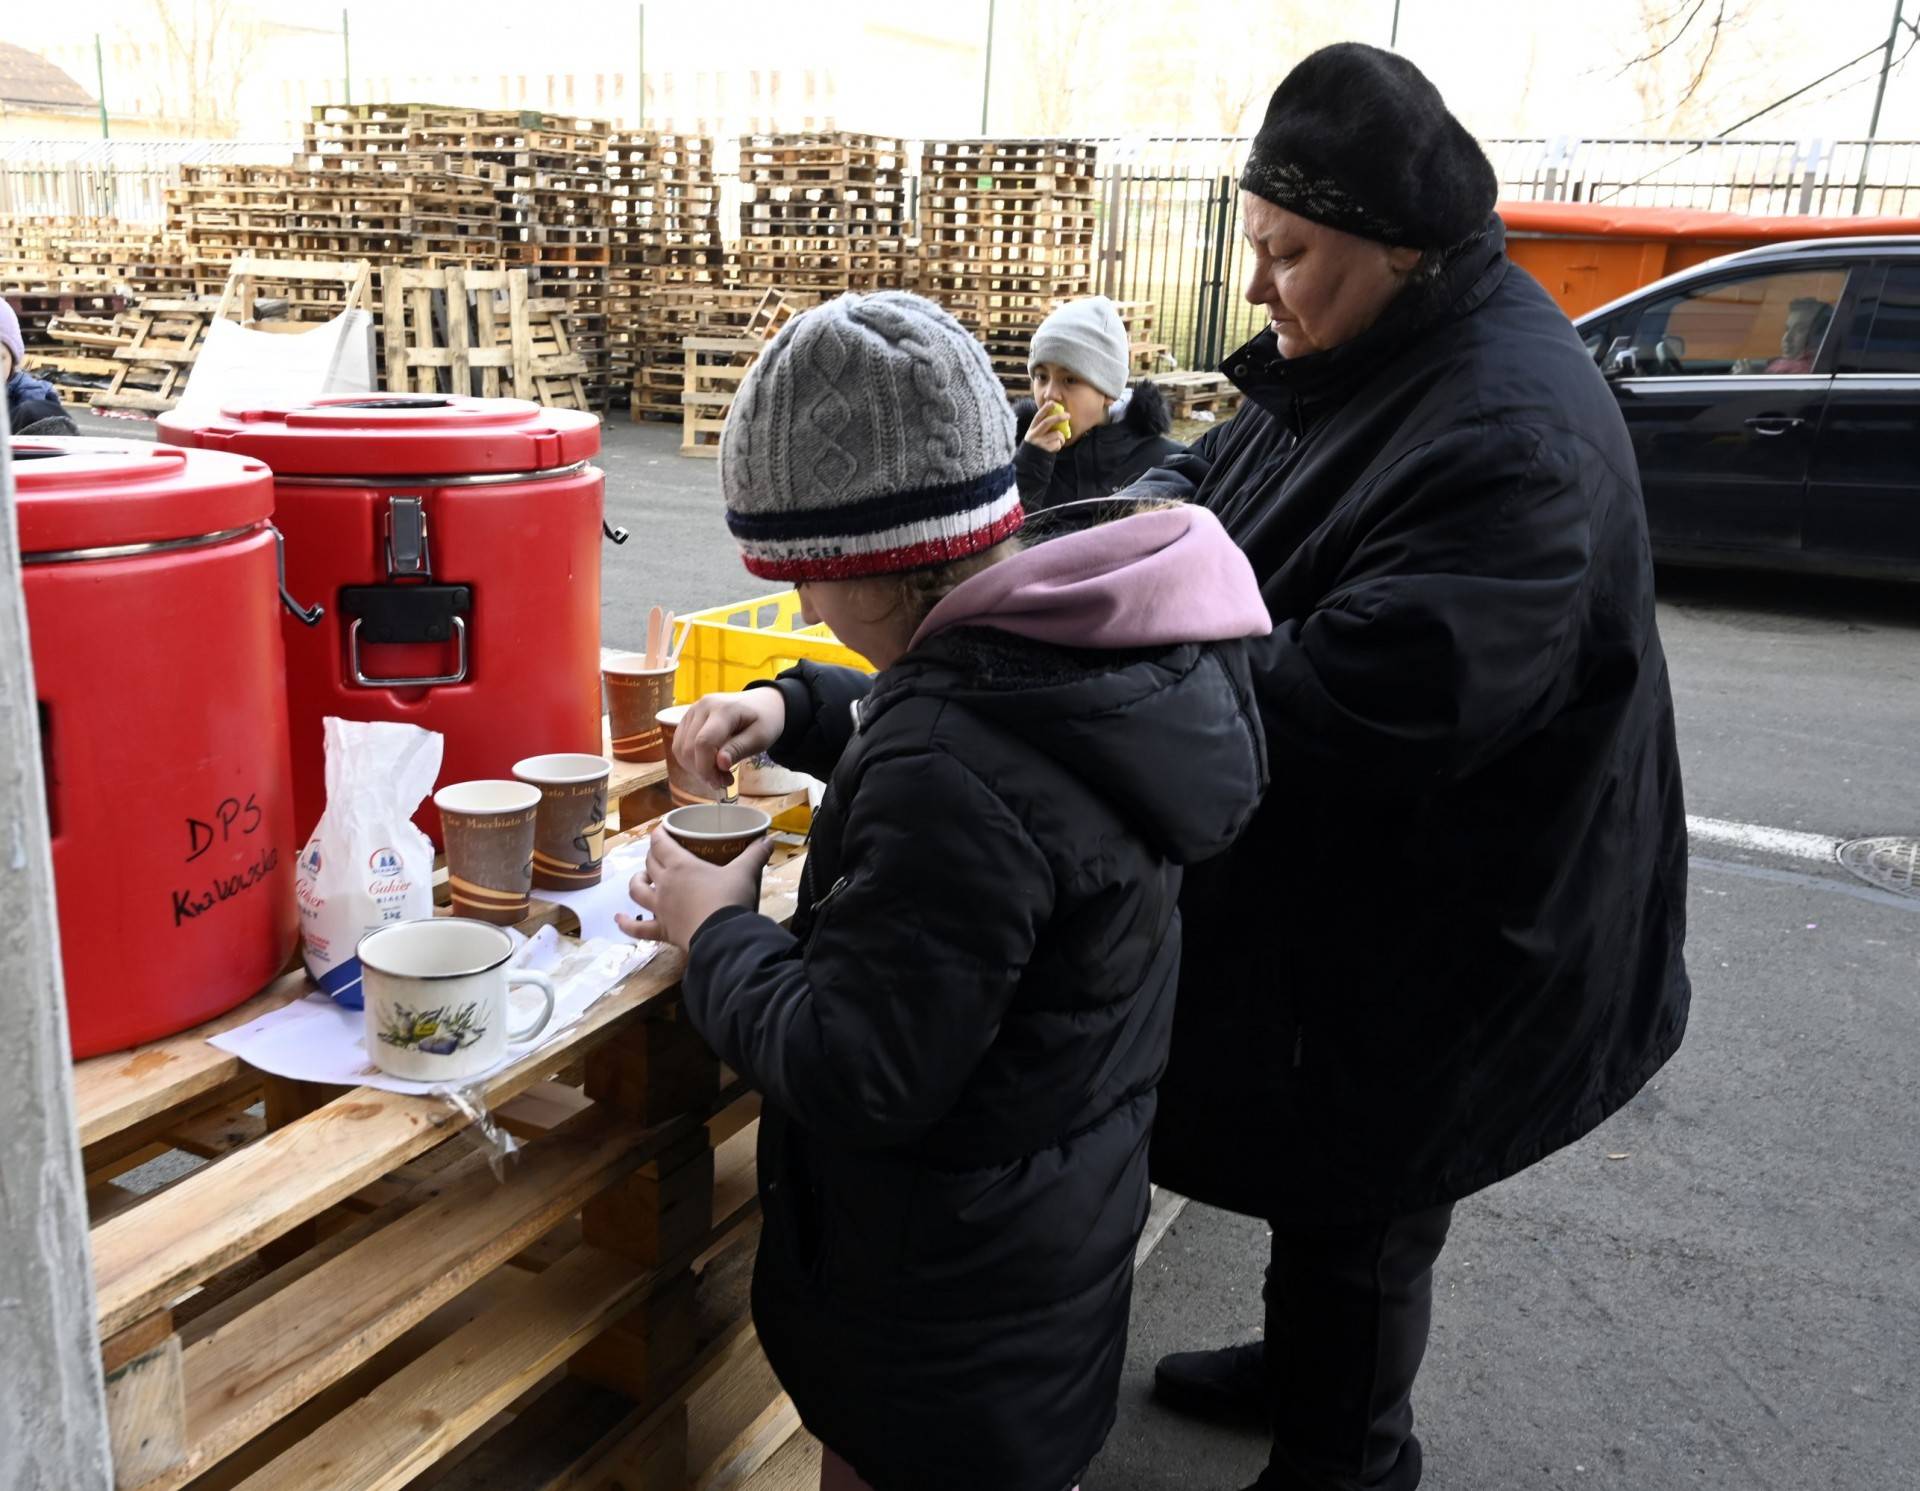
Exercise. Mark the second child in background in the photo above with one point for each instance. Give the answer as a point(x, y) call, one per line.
point(1084, 433)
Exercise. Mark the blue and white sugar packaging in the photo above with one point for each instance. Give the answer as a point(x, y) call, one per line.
point(366, 865)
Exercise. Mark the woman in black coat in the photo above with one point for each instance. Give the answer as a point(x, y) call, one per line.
point(1451, 942)
point(959, 1038)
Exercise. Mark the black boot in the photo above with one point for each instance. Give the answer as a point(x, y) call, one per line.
point(1229, 1384)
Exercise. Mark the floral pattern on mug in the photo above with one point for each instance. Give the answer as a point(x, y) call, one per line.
point(436, 1032)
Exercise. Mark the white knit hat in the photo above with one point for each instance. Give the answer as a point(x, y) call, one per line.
point(1085, 337)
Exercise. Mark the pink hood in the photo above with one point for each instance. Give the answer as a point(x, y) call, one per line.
point(1155, 579)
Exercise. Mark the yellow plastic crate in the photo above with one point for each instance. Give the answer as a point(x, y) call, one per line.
point(730, 646)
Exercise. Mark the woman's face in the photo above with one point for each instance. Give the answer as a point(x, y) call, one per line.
point(1086, 406)
point(1320, 287)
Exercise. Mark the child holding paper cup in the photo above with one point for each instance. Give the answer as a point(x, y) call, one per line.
point(959, 1038)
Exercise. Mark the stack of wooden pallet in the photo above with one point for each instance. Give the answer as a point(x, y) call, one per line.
point(221, 212)
point(667, 317)
point(549, 176)
point(1196, 395)
point(90, 255)
point(1008, 230)
point(663, 203)
point(823, 213)
point(1145, 352)
point(163, 339)
point(78, 355)
point(714, 367)
point(371, 192)
point(476, 331)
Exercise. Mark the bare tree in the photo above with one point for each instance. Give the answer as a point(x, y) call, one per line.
point(210, 44)
point(1058, 74)
point(1680, 61)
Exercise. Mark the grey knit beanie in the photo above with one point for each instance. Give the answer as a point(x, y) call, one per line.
point(1086, 337)
point(871, 438)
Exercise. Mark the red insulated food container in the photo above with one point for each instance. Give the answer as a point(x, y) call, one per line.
point(153, 613)
point(454, 544)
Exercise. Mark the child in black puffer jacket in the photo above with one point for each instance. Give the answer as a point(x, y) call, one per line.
point(1084, 433)
point(959, 1039)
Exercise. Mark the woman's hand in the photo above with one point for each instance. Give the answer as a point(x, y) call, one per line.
point(1048, 429)
point(722, 730)
point(682, 890)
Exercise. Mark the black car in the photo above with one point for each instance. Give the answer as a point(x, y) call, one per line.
point(1774, 401)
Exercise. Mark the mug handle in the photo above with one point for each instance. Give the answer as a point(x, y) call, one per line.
point(545, 985)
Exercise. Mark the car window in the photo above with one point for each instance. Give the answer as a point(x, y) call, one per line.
point(1764, 323)
point(1893, 344)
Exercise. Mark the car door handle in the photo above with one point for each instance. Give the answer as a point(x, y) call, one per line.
point(1773, 424)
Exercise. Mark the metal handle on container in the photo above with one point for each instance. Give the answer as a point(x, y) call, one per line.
point(459, 674)
point(306, 615)
point(618, 535)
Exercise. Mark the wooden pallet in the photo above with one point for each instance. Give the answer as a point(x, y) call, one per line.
point(1189, 394)
point(350, 1290)
point(715, 367)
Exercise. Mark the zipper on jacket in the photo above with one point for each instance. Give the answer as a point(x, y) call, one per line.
point(814, 913)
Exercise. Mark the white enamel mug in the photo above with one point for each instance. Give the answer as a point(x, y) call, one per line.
point(436, 998)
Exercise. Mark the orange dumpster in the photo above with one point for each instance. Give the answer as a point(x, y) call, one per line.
point(1587, 255)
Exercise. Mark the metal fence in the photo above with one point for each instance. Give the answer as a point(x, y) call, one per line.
point(113, 178)
point(1168, 208)
point(1762, 177)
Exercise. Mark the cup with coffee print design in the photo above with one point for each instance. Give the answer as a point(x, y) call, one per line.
point(488, 829)
point(682, 785)
point(570, 826)
point(718, 832)
point(635, 696)
point(437, 1005)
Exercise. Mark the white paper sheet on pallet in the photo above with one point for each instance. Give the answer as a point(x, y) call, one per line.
point(597, 905)
point(316, 1040)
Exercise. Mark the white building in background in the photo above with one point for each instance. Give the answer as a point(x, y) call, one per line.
point(256, 69)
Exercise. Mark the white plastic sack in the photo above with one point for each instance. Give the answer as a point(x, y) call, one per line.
point(237, 363)
point(366, 864)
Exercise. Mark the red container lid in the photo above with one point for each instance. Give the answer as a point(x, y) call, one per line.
point(386, 435)
point(78, 493)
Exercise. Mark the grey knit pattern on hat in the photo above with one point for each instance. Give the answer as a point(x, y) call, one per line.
point(871, 437)
point(1087, 338)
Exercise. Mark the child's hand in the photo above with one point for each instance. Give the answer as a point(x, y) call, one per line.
point(682, 890)
point(1049, 427)
point(722, 730)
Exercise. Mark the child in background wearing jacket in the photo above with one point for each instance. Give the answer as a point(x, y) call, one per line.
point(1084, 433)
point(959, 1038)
point(33, 407)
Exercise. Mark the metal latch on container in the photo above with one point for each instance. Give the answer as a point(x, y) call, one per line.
point(407, 552)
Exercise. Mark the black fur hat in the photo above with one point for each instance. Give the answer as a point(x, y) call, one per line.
point(1357, 139)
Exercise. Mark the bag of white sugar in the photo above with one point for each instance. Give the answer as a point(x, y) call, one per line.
point(366, 865)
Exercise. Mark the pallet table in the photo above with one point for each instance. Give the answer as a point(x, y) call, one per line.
point(352, 1291)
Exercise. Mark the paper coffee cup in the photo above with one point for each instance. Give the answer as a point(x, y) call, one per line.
point(635, 696)
point(682, 785)
point(717, 832)
point(488, 830)
point(570, 826)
